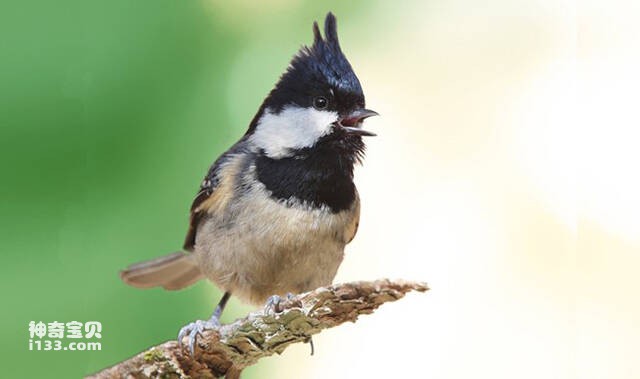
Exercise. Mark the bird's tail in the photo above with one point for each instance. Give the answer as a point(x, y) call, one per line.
point(172, 272)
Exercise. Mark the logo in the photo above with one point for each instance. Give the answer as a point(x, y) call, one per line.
point(69, 336)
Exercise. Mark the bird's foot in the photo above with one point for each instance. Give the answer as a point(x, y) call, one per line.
point(273, 303)
point(194, 329)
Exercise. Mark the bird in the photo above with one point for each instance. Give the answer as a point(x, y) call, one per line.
point(275, 211)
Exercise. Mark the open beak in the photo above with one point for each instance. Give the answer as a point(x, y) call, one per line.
point(352, 123)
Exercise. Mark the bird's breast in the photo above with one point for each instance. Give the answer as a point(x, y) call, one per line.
point(260, 246)
point(319, 178)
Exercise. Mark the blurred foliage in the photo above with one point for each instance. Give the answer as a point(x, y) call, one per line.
point(110, 114)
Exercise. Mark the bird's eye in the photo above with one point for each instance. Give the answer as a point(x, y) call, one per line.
point(320, 102)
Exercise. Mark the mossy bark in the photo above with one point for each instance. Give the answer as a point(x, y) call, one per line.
point(228, 350)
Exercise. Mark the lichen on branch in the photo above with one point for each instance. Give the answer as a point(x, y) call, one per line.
point(228, 350)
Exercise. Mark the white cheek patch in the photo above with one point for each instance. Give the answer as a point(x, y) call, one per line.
point(292, 128)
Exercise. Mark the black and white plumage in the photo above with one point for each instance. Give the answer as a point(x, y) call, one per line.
point(275, 211)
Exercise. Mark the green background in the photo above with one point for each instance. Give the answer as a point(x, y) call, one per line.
point(110, 115)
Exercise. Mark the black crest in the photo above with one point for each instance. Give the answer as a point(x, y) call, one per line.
point(316, 70)
point(321, 175)
point(326, 57)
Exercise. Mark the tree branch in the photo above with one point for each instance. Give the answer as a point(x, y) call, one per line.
point(235, 346)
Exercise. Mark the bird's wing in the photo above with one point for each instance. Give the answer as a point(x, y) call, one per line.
point(352, 227)
point(195, 216)
point(216, 191)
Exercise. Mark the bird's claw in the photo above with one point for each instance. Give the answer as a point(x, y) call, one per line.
point(273, 303)
point(194, 329)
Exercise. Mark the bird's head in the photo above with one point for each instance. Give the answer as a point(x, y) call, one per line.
point(317, 101)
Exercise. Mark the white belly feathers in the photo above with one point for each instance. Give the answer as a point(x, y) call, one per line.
point(257, 247)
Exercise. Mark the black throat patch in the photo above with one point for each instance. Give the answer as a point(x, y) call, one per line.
point(320, 176)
